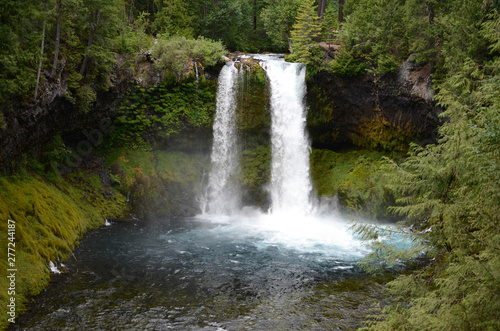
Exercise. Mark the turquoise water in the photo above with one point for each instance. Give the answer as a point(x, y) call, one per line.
point(200, 274)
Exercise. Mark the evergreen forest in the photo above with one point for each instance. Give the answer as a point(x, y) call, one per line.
point(447, 193)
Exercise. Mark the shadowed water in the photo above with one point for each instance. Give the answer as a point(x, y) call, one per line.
point(197, 274)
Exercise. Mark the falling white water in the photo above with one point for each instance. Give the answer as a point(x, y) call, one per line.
point(223, 191)
point(196, 70)
point(291, 223)
point(290, 179)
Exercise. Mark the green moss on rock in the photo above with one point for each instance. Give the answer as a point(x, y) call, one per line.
point(255, 174)
point(378, 133)
point(50, 217)
point(356, 178)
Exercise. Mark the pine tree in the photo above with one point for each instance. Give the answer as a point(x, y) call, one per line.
point(305, 30)
point(278, 18)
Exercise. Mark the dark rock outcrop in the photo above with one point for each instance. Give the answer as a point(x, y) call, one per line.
point(385, 113)
point(34, 124)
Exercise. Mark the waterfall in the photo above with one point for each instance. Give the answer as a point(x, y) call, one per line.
point(223, 191)
point(197, 75)
point(290, 187)
point(196, 70)
point(290, 179)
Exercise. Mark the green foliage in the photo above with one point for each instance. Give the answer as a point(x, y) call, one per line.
point(278, 18)
point(229, 21)
point(18, 35)
point(449, 193)
point(158, 112)
point(85, 98)
point(133, 38)
point(175, 54)
point(374, 28)
point(329, 23)
point(173, 19)
point(346, 63)
point(356, 178)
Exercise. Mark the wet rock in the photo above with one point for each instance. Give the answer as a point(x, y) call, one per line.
point(387, 113)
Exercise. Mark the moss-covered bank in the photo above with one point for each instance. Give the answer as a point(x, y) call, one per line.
point(356, 177)
point(53, 212)
point(50, 216)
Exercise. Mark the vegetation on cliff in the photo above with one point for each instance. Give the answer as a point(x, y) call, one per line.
point(356, 178)
point(148, 115)
point(159, 183)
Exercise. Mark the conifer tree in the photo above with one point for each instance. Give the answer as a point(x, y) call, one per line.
point(278, 18)
point(305, 30)
point(450, 192)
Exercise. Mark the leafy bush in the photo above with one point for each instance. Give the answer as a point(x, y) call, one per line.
point(174, 54)
point(133, 39)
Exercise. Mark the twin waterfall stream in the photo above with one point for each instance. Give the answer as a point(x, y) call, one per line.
point(290, 186)
point(290, 265)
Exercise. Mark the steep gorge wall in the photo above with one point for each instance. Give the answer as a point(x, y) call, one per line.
point(35, 123)
point(385, 113)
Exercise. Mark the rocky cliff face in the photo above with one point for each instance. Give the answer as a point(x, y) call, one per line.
point(358, 111)
point(35, 123)
point(385, 113)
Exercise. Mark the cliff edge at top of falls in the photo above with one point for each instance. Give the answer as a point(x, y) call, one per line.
point(356, 111)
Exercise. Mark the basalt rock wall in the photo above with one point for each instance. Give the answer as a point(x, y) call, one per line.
point(34, 123)
point(385, 113)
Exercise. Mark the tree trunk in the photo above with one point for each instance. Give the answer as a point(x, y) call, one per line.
point(41, 61)
point(93, 27)
point(430, 9)
point(131, 12)
point(255, 14)
point(58, 39)
point(321, 8)
point(341, 11)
